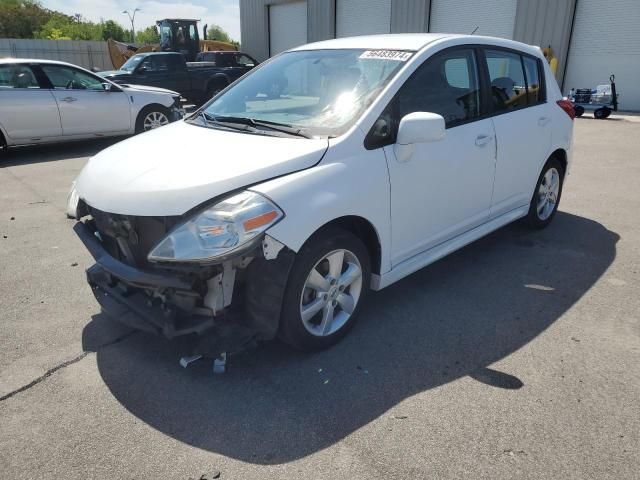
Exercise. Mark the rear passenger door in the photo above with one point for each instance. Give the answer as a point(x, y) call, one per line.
point(28, 112)
point(523, 125)
point(444, 188)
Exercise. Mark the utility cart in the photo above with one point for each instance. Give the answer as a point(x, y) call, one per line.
point(602, 100)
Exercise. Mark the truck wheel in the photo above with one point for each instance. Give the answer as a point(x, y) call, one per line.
point(327, 284)
point(213, 90)
point(607, 112)
point(599, 114)
point(546, 197)
point(152, 116)
point(579, 110)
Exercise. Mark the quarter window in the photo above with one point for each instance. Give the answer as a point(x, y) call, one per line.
point(446, 84)
point(67, 78)
point(535, 92)
point(508, 87)
point(17, 76)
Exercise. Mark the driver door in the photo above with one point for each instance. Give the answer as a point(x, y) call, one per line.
point(444, 187)
point(86, 108)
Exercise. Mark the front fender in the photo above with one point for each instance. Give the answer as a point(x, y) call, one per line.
point(341, 185)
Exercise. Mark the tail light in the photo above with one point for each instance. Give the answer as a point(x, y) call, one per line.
point(567, 106)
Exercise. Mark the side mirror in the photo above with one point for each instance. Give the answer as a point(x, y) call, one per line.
point(106, 86)
point(417, 127)
point(142, 69)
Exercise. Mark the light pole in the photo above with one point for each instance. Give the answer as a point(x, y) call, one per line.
point(132, 19)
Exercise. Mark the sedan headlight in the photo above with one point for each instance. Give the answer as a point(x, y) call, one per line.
point(218, 230)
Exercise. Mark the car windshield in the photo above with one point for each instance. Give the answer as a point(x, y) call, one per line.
point(131, 64)
point(321, 92)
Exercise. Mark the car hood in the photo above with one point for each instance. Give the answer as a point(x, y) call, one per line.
point(144, 88)
point(173, 169)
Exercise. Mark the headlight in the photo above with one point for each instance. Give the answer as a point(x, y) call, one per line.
point(218, 230)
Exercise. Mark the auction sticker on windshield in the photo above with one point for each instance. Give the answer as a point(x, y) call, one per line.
point(387, 55)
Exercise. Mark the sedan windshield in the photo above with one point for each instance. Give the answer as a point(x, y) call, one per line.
point(131, 64)
point(319, 92)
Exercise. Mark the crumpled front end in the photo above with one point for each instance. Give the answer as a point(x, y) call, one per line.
point(220, 307)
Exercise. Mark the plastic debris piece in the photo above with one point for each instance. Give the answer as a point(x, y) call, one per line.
point(213, 474)
point(326, 381)
point(186, 361)
point(220, 363)
point(74, 264)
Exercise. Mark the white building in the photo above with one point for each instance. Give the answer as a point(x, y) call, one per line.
point(591, 38)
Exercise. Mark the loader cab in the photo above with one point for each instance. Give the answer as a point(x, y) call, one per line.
point(179, 35)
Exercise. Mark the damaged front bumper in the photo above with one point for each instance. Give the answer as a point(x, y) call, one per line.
point(193, 301)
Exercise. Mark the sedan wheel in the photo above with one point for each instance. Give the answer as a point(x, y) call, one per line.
point(154, 120)
point(331, 293)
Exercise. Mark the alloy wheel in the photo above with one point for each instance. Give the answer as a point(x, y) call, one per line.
point(154, 120)
point(331, 293)
point(548, 194)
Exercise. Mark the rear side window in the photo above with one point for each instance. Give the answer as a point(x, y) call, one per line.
point(446, 84)
point(535, 88)
point(508, 86)
point(17, 76)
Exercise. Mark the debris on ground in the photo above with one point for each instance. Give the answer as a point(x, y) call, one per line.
point(12, 218)
point(400, 417)
point(74, 264)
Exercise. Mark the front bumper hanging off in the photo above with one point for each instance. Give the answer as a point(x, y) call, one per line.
point(123, 293)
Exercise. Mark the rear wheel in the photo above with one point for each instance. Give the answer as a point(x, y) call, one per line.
point(600, 114)
point(546, 198)
point(579, 110)
point(327, 284)
point(213, 90)
point(151, 117)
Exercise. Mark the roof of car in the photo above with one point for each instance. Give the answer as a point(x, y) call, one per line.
point(408, 41)
point(31, 60)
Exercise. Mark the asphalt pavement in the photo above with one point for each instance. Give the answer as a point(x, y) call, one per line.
point(516, 357)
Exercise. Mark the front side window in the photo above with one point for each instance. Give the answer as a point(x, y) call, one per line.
point(245, 61)
point(322, 92)
point(17, 76)
point(508, 86)
point(155, 64)
point(446, 84)
point(68, 78)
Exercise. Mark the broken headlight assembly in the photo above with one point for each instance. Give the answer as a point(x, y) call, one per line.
point(217, 231)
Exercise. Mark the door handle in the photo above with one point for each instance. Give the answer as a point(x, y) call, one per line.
point(542, 121)
point(68, 99)
point(482, 140)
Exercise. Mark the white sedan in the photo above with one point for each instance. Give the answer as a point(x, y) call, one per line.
point(44, 101)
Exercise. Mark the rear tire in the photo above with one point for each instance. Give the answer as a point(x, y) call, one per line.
point(151, 117)
point(579, 110)
point(546, 197)
point(599, 114)
point(213, 90)
point(327, 285)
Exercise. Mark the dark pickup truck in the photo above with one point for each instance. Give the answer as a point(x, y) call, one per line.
point(195, 81)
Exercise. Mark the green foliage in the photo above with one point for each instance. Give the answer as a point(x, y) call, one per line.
point(148, 35)
point(28, 19)
point(111, 29)
point(21, 18)
point(216, 32)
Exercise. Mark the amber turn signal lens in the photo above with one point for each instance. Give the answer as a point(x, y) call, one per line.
point(259, 221)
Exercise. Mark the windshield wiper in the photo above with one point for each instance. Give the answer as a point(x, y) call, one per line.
point(210, 119)
point(252, 122)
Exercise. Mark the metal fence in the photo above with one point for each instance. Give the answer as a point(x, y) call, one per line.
point(86, 54)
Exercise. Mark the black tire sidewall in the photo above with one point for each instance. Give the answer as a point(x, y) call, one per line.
point(532, 217)
point(292, 330)
point(146, 111)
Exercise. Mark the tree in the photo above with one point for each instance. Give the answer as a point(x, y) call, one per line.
point(111, 29)
point(21, 18)
point(149, 35)
point(216, 32)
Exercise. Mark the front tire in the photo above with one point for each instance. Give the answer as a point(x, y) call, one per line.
point(546, 198)
point(151, 117)
point(327, 284)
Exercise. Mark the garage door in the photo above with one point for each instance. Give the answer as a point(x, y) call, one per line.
point(606, 40)
point(287, 26)
point(495, 18)
point(362, 17)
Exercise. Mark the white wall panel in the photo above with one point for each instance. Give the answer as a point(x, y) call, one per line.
point(494, 18)
point(287, 26)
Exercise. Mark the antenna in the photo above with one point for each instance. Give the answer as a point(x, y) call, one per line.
point(474, 30)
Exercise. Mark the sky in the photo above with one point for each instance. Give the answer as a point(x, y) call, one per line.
point(225, 13)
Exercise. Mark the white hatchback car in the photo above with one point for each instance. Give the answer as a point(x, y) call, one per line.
point(377, 156)
point(44, 101)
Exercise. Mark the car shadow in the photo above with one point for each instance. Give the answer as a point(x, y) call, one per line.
point(450, 320)
point(28, 154)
